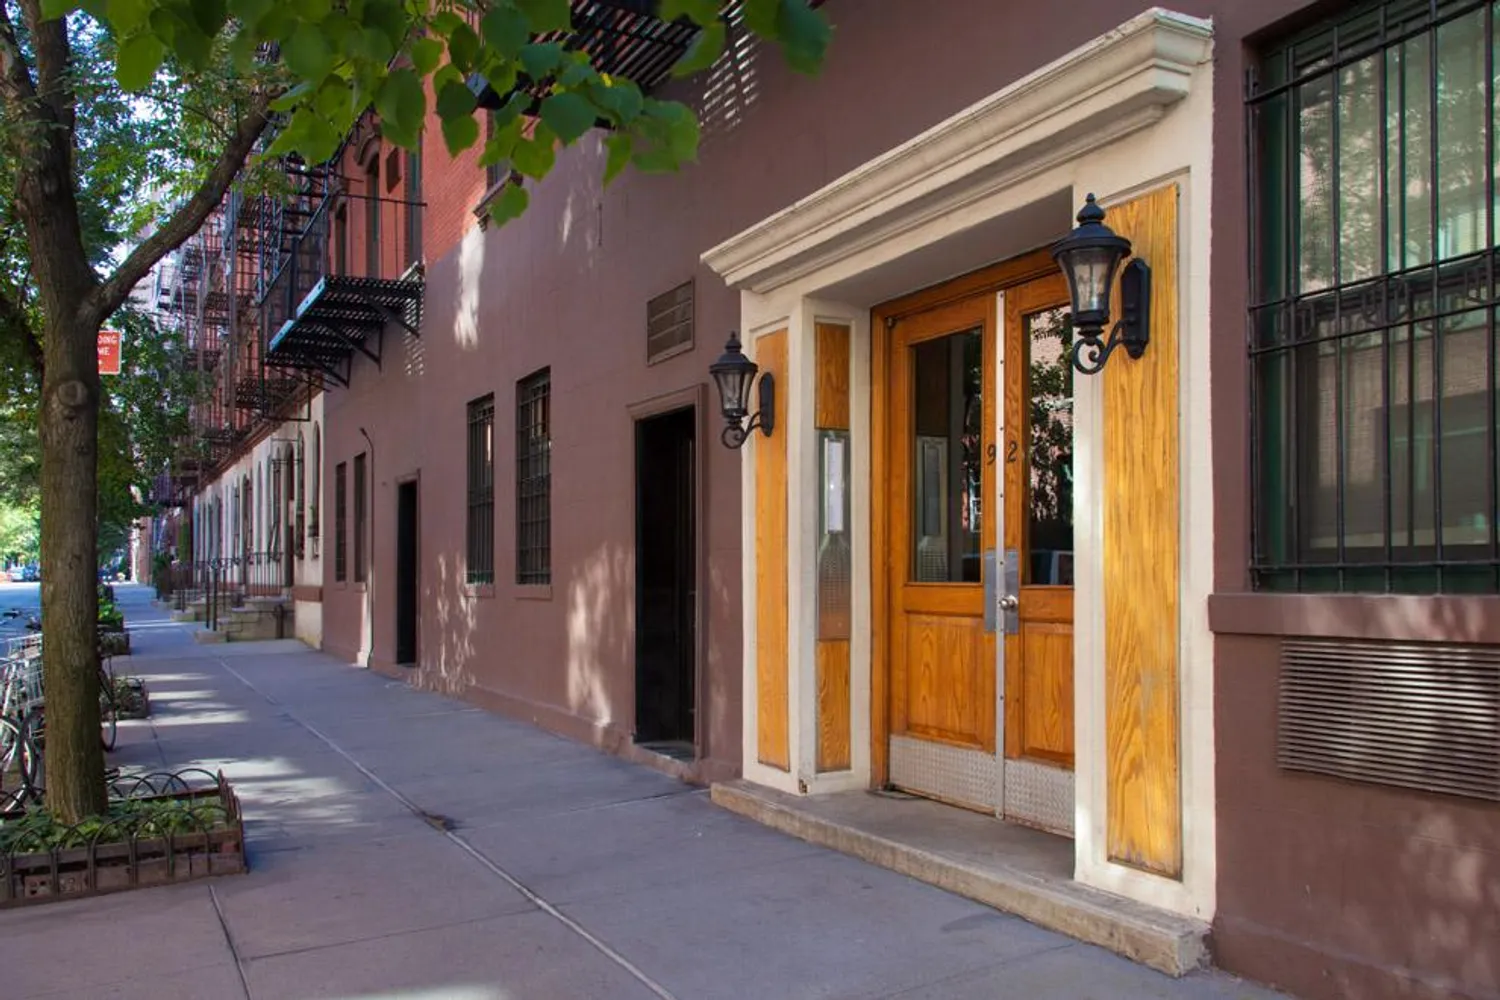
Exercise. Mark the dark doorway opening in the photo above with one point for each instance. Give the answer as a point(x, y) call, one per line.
point(406, 573)
point(666, 584)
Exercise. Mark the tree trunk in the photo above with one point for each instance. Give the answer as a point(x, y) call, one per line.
point(69, 418)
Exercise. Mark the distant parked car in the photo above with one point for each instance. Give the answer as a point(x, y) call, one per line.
point(31, 574)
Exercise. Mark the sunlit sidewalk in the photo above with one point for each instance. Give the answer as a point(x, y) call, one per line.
point(406, 845)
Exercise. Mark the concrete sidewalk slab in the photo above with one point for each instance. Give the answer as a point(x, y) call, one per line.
point(379, 888)
point(634, 846)
point(85, 945)
point(510, 958)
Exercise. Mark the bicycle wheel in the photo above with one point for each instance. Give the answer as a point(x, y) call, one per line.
point(109, 710)
point(34, 760)
point(15, 783)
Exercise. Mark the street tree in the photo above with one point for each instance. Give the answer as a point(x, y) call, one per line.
point(184, 91)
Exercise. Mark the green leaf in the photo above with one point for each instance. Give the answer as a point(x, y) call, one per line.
point(445, 22)
point(127, 15)
point(620, 96)
point(247, 12)
point(332, 98)
point(704, 52)
point(760, 16)
point(455, 100)
point(805, 34)
point(460, 134)
point(534, 157)
point(505, 29)
point(211, 15)
point(547, 15)
point(53, 9)
point(307, 55)
point(242, 46)
point(401, 101)
point(540, 60)
point(463, 46)
point(619, 145)
point(192, 46)
point(293, 97)
point(568, 114)
point(137, 61)
point(425, 54)
point(502, 141)
point(508, 204)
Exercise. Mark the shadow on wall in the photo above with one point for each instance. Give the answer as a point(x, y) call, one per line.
point(448, 669)
point(600, 623)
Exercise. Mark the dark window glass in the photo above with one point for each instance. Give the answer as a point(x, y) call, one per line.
point(481, 510)
point(1374, 297)
point(360, 509)
point(340, 521)
point(414, 205)
point(534, 479)
point(1049, 459)
point(947, 467)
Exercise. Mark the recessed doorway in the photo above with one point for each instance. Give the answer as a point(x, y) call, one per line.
point(666, 640)
point(406, 573)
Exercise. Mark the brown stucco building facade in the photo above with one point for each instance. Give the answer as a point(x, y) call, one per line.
point(1211, 697)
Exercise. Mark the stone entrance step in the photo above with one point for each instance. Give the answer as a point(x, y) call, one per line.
point(1014, 869)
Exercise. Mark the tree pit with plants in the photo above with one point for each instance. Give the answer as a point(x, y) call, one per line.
point(159, 828)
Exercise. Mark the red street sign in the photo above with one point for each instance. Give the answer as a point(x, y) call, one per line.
point(109, 352)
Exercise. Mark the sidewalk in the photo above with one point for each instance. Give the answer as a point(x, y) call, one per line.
point(406, 845)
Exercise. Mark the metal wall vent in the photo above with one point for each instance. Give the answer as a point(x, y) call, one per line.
point(1414, 715)
point(669, 323)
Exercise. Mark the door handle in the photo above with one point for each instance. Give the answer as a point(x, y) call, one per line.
point(1009, 602)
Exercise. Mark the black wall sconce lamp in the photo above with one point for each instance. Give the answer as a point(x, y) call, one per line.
point(1089, 257)
point(734, 373)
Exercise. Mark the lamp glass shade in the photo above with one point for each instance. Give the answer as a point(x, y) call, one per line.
point(1090, 271)
point(733, 373)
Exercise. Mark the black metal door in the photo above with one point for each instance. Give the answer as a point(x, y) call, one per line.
point(666, 580)
point(406, 573)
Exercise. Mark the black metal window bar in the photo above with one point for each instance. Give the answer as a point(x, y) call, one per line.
point(341, 522)
point(480, 534)
point(360, 509)
point(1372, 328)
point(534, 479)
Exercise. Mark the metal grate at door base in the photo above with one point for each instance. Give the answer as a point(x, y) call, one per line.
point(953, 774)
point(1039, 795)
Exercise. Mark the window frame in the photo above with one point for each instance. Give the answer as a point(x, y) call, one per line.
point(361, 518)
point(340, 522)
point(479, 522)
point(1305, 537)
point(534, 479)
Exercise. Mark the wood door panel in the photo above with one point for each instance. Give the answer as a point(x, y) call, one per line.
point(946, 680)
point(773, 740)
point(1047, 691)
point(1039, 658)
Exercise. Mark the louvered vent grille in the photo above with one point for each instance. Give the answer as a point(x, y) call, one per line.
point(1415, 715)
point(669, 323)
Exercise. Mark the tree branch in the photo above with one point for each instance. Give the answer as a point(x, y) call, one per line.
point(49, 40)
point(188, 218)
point(16, 84)
point(13, 323)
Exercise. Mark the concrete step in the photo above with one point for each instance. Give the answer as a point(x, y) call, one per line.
point(209, 636)
point(957, 850)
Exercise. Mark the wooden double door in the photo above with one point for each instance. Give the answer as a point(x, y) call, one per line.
point(979, 540)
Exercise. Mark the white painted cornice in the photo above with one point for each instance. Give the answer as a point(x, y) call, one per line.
point(1116, 84)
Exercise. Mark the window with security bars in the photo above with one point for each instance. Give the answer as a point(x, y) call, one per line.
point(340, 522)
point(481, 513)
point(534, 479)
point(360, 509)
point(1374, 299)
